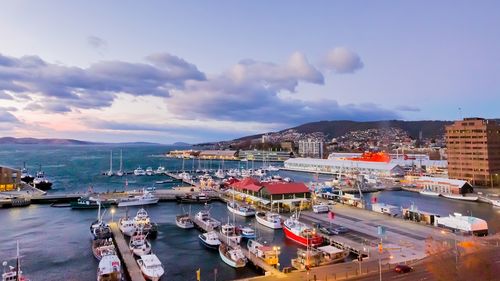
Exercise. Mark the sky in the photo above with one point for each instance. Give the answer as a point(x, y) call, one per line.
point(197, 71)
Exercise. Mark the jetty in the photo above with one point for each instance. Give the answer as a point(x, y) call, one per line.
point(130, 265)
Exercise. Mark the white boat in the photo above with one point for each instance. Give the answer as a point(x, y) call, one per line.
point(233, 256)
point(245, 211)
point(149, 171)
point(247, 232)
point(228, 233)
point(103, 247)
point(185, 176)
point(259, 173)
point(272, 168)
point(109, 268)
point(429, 192)
point(151, 267)
point(220, 174)
point(139, 245)
point(14, 273)
point(210, 239)
point(460, 197)
point(127, 226)
point(269, 219)
point(146, 198)
point(120, 172)
point(139, 171)
point(99, 229)
point(203, 218)
point(464, 224)
point(110, 172)
point(160, 170)
point(495, 203)
point(184, 221)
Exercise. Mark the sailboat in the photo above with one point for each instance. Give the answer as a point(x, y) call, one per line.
point(110, 172)
point(120, 171)
point(14, 273)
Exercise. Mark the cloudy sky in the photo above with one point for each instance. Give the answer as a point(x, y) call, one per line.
point(195, 71)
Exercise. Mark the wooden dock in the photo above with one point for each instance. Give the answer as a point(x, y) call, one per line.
point(128, 261)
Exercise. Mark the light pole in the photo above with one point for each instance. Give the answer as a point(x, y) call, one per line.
point(112, 214)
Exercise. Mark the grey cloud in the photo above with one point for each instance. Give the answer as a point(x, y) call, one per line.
point(62, 88)
point(407, 108)
point(342, 60)
point(5, 96)
point(7, 117)
point(96, 42)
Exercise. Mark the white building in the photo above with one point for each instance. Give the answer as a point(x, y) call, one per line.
point(311, 148)
point(403, 160)
point(331, 166)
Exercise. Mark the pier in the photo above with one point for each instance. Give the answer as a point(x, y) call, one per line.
point(128, 261)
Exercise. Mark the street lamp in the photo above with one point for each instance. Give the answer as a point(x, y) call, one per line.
point(112, 214)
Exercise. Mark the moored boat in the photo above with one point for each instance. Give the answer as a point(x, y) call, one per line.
point(109, 268)
point(151, 267)
point(429, 192)
point(41, 182)
point(99, 229)
point(210, 239)
point(229, 233)
point(232, 256)
point(241, 210)
point(25, 175)
point(139, 171)
point(464, 224)
point(139, 244)
point(88, 203)
point(199, 198)
point(143, 221)
point(127, 226)
point(269, 219)
point(247, 232)
point(184, 221)
point(460, 197)
point(300, 233)
point(205, 221)
point(146, 198)
point(103, 247)
point(495, 203)
point(12, 273)
point(268, 254)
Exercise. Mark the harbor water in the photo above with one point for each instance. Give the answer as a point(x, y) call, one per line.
point(55, 242)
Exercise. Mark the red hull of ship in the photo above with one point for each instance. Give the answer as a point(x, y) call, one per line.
point(315, 241)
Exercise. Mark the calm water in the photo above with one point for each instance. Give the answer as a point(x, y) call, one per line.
point(55, 242)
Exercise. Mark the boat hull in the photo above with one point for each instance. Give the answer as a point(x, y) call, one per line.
point(316, 241)
point(138, 203)
point(229, 261)
point(240, 213)
point(184, 225)
point(208, 245)
point(429, 193)
point(459, 197)
point(264, 222)
point(495, 203)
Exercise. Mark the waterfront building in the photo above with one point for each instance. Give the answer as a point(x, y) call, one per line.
point(219, 154)
point(189, 153)
point(311, 148)
point(278, 195)
point(10, 179)
point(473, 148)
point(440, 185)
point(332, 166)
point(403, 160)
point(264, 155)
point(287, 146)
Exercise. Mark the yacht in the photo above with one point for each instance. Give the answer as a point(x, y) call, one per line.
point(151, 267)
point(460, 197)
point(272, 168)
point(139, 245)
point(120, 172)
point(185, 176)
point(146, 198)
point(269, 219)
point(229, 233)
point(110, 172)
point(201, 198)
point(184, 221)
point(160, 170)
point(149, 171)
point(233, 256)
point(260, 173)
point(109, 268)
point(88, 203)
point(242, 210)
point(139, 171)
point(429, 192)
point(127, 225)
point(41, 182)
point(210, 239)
point(14, 273)
point(247, 232)
point(103, 247)
point(220, 174)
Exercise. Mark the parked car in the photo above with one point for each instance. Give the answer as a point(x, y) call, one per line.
point(326, 230)
point(403, 268)
point(340, 230)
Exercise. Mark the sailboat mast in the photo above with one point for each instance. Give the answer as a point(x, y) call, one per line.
point(121, 160)
point(18, 264)
point(111, 160)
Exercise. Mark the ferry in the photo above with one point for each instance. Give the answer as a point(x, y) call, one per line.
point(269, 219)
point(151, 267)
point(300, 233)
point(464, 224)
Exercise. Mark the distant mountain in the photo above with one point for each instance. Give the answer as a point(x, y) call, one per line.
point(333, 129)
point(181, 144)
point(11, 140)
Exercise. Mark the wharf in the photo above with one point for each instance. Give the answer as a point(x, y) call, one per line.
point(130, 265)
point(176, 176)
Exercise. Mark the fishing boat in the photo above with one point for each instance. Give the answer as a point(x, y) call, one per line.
point(232, 255)
point(205, 221)
point(495, 203)
point(120, 172)
point(241, 210)
point(139, 245)
point(110, 172)
point(300, 233)
point(103, 247)
point(247, 232)
point(313, 257)
point(229, 233)
point(127, 226)
point(40, 181)
point(12, 273)
point(146, 198)
point(268, 254)
point(210, 239)
point(139, 171)
point(88, 203)
point(429, 192)
point(109, 268)
point(200, 198)
point(25, 175)
point(149, 171)
point(143, 221)
point(460, 197)
point(151, 267)
point(184, 221)
point(269, 219)
point(99, 229)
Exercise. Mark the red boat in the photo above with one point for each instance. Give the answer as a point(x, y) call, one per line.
point(300, 233)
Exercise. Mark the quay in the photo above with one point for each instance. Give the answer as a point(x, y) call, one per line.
point(128, 261)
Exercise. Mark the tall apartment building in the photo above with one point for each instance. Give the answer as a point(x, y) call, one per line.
point(473, 146)
point(311, 148)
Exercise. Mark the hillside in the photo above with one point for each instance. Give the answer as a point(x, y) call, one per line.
point(12, 140)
